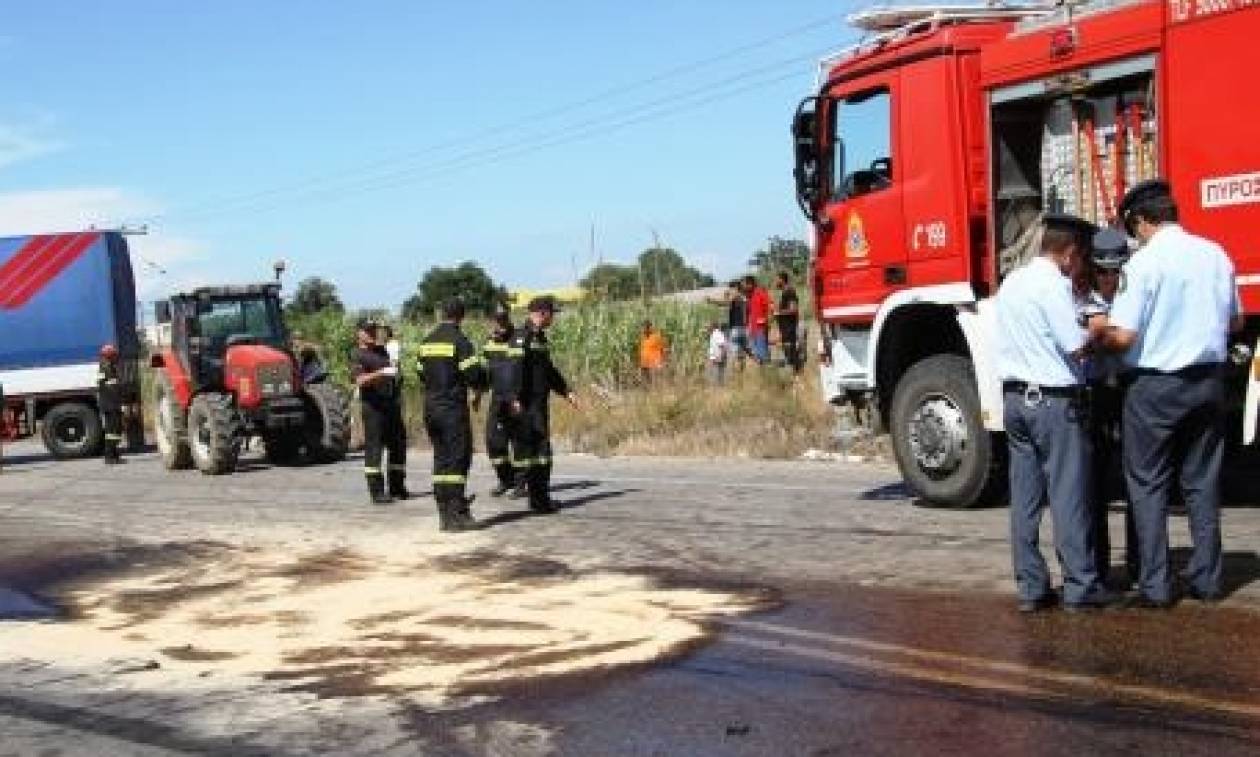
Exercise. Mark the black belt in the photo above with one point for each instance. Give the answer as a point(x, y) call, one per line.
point(1198, 371)
point(1023, 387)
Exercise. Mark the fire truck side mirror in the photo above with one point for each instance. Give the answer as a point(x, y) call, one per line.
point(805, 145)
point(162, 312)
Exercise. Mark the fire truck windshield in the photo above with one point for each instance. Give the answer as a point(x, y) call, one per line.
point(862, 135)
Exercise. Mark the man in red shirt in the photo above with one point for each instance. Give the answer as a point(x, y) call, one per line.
point(758, 319)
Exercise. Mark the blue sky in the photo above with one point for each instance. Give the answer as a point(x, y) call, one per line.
point(366, 142)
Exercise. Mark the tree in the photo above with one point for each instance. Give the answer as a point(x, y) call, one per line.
point(467, 280)
point(779, 254)
point(315, 295)
point(659, 270)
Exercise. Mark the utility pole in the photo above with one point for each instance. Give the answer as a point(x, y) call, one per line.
point(656, 260)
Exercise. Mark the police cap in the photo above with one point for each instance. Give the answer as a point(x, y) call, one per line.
point(544, 304)
point(1069, 222)
point(1109, 249)
point(1142, 193)
point(366, 326)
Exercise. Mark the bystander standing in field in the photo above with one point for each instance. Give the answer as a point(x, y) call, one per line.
point(788, 318)
point(652, 349)
point(758, 319)
point(736, 305)
point(715, 364)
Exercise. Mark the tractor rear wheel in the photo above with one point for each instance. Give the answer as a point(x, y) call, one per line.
point(171, 424)
point(214, 433)
point(327, 428)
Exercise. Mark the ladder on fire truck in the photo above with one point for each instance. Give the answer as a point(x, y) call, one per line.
point(892, 23)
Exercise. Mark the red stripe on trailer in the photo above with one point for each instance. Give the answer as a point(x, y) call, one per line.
point(25, 256)
point(53, 265)
point(30, 265)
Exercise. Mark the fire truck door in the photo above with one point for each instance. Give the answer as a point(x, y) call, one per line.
point(866, 256)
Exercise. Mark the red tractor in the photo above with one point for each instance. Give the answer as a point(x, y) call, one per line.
point(229, 373)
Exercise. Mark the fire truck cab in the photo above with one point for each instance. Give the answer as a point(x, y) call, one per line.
point(929, 154)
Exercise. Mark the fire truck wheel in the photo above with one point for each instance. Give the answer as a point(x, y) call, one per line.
point(171, 425)
point(214, 433)
point(327, 423)
point(945, 454)
point(72, 430)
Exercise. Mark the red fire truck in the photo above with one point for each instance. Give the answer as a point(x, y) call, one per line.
point(930, 152)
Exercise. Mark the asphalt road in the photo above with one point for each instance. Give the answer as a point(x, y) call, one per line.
point(745, 608)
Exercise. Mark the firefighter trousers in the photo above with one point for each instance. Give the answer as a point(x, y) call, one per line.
point(384, 435)
point(499, 432)
point(532, 444)
point(111, 425)
point(450, 432)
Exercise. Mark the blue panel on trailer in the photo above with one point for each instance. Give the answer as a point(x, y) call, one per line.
point(62, 296)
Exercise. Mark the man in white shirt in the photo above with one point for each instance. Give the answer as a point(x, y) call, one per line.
point(1172, 321)
point(1040, 343)
point(715, 368)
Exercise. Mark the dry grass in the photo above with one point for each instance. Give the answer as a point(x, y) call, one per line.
point(761, 413)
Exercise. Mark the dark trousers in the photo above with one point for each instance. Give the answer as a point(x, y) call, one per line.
point(384, 433)
point(499, 422)
point(111, 425)
point(450, 431)
point(1106, 411)
point(1173, 423)
point(1049, 462)
point(533, 449)
point(792, 355)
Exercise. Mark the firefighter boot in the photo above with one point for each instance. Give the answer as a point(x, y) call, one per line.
point(463, 515)
point(540, 500)
point(111, 453)
point(506, 482)
point(376, 490)
point(398, 485)
point(446, 516)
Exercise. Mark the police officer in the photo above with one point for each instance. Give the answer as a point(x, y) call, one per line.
point(1172, 320)
point(1040, 343)
point(377, 381)
point(449, 366)
point(109, 401)
point(499, 417)
point(1109, 252)
point(534, 378)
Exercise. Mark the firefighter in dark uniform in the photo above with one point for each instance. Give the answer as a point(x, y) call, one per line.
point(377, 380)
point(534, 378)
point(449, 365)
point(109, 401)
point(499, 418)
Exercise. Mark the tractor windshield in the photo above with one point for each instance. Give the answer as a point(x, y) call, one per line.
point(254, 319)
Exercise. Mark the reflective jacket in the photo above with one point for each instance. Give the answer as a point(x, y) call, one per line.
point(108, 387)
point(500, 356)
point(449, 366)
point(534, 376)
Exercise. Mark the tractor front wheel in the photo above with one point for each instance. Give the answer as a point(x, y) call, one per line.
point(327, 427)
point(171, 424)
point(214, 433)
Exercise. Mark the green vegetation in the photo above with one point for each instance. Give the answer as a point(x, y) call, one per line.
point(658, 270)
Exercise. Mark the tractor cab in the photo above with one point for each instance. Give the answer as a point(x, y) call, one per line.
point(206, 323)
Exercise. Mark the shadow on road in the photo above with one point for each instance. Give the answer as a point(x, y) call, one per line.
point(1241, 569)
point(502, 519)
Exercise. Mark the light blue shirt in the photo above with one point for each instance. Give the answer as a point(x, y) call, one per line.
point(1179, 295)
point(1038, 330)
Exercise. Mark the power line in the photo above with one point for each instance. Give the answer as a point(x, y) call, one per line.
point(542, 115)
point(593, 127)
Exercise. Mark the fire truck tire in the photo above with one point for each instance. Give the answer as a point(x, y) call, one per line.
point(327, 423)
point(171, 425)
point(214, 433)
point(945, 454)
point(72, 430)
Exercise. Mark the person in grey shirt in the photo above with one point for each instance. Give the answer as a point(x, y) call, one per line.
point(1172, 321)
point(1040, 344)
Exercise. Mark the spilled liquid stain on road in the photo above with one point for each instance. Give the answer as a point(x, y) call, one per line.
point(430, 628)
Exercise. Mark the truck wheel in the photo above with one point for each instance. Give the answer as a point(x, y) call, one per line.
point(214, 433)
point(945, 454)
point(327, 423)
point(171, 425)
point(72, 430)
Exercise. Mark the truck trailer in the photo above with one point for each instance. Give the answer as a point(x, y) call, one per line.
point(929, 153)
point(62, 297)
